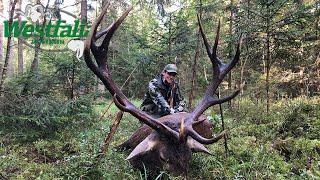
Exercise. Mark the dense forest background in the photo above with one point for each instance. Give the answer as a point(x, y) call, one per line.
point(53, 116)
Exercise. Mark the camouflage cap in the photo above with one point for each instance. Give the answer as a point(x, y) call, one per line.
point(171, 68)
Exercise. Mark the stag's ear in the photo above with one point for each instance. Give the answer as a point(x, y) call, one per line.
point(195, 146)
point(146, 145)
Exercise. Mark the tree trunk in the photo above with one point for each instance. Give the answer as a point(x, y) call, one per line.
point(1, 41)
point(194, 66)
point(84, 18)
point(83, 14)
point(194, 69)
point(35, 63)
point(72, 78)
point(6, 61)
point(34, 68)
point(247, 39)
point(268, 61)
point(230, 47)
point(84, 11)
point(10, 68)
point(20, 46)
point(170, 39)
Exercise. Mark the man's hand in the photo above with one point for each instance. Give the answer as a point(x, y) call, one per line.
point(180, 108)
point(172, 111)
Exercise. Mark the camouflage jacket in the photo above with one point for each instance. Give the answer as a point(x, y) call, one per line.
point(156, 100)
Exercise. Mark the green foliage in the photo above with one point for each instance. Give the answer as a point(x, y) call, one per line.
point(257, 148)
point(40, 116)
point(302, 122)
point(50, 131)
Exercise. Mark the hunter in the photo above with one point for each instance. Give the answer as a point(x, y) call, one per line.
point(163, 96)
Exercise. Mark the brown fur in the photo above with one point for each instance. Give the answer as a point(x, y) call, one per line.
point(154, 151)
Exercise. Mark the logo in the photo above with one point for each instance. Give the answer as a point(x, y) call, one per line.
point(44, 26)
point(76, 46)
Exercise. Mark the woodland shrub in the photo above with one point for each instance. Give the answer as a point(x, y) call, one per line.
point(279, 145)
point(43, 115)
point(302, 121)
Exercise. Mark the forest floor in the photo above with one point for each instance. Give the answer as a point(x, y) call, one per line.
point(284, 144)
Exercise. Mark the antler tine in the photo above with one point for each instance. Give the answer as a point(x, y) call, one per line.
point(90, 44)
point(212, 54)
point(213, 101)
point(102, 50)
point(203, 140)
point(159, 127)
point(187, 129)
point(194, 123)
point(102, 72)
point(235, 58)
point(113, 27)
point(214, 49)
point(219, 70)
point(97, 23)
point(205, 41)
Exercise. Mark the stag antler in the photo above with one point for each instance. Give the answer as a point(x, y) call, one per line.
point(219, 71)
point(101, 70)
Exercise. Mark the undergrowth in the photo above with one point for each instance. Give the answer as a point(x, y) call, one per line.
point(283, 144)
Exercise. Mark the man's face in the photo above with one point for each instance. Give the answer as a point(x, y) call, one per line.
point(169, 77)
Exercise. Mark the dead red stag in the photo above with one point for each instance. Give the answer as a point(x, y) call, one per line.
point(167, 142)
